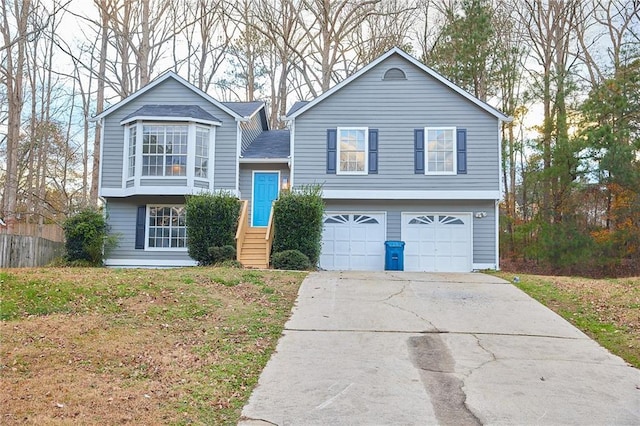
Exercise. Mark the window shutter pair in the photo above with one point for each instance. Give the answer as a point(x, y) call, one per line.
point(461, 144)
point(332, 151)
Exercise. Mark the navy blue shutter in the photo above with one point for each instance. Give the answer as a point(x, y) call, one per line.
point(373, 151)
point(418, 141)
point(462, 151)
point(332, 146)
point(140, 226)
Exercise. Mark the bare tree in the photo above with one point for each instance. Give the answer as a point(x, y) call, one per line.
point(388, 26)
point(327, 25)
point(14, 35)
point(551, 31)
point(607, 23)
point(277, 21)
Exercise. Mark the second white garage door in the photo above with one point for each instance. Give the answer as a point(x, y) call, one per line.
point(437, 242)
point(353, 241)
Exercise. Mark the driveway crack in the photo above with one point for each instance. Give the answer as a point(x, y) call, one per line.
point(253, 419)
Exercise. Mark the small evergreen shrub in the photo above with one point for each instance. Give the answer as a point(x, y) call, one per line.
point(86, 238)
point(212, 221)
point(221, 254)
point(291, 259)
point(298, 222)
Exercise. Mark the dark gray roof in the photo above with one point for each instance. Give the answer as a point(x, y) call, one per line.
point(177, 111)
point(244, 109)
point(269, 144)
point(297, 106)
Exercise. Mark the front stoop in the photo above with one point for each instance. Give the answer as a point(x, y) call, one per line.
point(254, 249)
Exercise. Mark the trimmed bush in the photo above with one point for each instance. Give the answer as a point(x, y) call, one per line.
point(298, 222)
point(212, 221)
point(291, 259)
point(86, 238)
point(220, 254)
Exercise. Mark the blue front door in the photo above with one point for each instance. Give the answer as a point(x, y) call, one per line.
point(265, 191)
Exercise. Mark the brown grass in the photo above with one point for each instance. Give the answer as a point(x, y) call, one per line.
point(184, 346)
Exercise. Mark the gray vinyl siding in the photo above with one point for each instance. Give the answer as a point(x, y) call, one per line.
point(250, 130)
point(169, 92)
point(246, 176)
point(396, 108)
point(484, 231)
point(121, 217)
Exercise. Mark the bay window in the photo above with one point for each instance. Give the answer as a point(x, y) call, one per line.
point(168, 150)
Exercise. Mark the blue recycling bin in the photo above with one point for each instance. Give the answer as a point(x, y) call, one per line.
point(394, 256)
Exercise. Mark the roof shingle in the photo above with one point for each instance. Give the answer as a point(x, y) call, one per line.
point(177, 111)
point(269, 144)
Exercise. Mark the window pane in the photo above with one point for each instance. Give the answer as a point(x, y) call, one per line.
point(440, 150)
point(353, 150)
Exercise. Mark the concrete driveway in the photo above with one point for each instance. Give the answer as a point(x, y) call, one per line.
point(419, 348)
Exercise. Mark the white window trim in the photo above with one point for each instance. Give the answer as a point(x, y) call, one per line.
point(191, 144)
point(455, 152)
point(366, 151)
point(146, 230)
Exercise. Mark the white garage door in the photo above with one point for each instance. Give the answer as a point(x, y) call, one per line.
point(353, 241)
point(439, 242)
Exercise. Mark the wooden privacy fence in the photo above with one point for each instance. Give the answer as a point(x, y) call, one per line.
point(19, 251)
point(50, 231)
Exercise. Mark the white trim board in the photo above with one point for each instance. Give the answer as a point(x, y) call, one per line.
point(483, 266)
point(161, 190)
point(341, 194)
point(149, 263)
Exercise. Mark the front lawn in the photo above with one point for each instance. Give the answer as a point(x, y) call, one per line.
point(608, 310)
point(106, 346)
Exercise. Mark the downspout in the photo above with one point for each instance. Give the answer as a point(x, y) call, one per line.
point(292, 138)
point(238, 153)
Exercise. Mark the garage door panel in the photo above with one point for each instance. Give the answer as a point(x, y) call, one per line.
point(353, 241)
point(437, 241)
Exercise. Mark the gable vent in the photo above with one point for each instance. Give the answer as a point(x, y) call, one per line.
point(394, 74)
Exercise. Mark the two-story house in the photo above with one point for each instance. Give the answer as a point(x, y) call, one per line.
point(401, 154)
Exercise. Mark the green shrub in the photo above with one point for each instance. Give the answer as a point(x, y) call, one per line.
point(212, 221)
point(86, 238)
point(221, 254)
point(561, 245)
point(298, 222)
point(291, 260)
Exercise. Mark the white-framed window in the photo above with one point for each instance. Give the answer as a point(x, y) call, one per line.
point(166, 227)
point(353, 149)
point(202, 152)
point(440, 150)
point(164, 150)
point(168, 150)
point(131, 154)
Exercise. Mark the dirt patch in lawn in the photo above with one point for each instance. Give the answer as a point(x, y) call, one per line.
point(137, 346)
